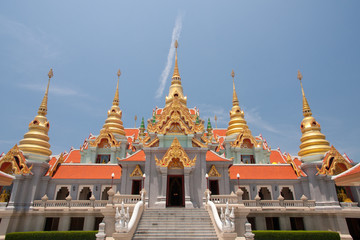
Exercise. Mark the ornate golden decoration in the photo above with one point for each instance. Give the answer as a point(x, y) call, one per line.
point(176, 90)
point(137, 172)
point(152, 143)
point(312, 141)
point(16, 162)
point(290, 161)
point(214, 172)
point(237, 121)
point(53, 170)
point(175, 119)
point(176, 164)
point(36, 140)
point(197, 143)
point(105, 134)
point(175, 151)
point(333, 163)
point(245, 134)
point(113, 121)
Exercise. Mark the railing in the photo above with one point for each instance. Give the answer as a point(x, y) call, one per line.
point(348, 204)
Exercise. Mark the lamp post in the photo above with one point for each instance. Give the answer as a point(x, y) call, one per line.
point(207, 181)
point(143, 180)
point(238, 178)
point(112, 179)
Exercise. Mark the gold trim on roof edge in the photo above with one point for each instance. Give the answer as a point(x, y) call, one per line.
point(213, 172)
point(105, 134)
point(175, 151)
point(16, 168)
point(137, 172)
point(332, 167)
point(244, 134)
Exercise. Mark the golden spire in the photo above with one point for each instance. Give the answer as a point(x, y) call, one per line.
point(235, 98)
point(113, 122)
point(175, 89)
point(237, 122)
point(36, 140)
point(313, 142)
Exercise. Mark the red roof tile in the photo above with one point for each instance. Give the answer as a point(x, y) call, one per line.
point(73, 156)
point(212, 156)
point(277, 157)
point(273, 171)
point(87, 171)
point(219, 132)
point(129, 132)
point(138, 156)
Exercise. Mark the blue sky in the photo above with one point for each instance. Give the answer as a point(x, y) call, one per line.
point(265, 42)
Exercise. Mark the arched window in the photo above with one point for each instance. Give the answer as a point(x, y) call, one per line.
point(104, 194)
point(264, 193)
point(287, 194)
point(62, 193)
point(85, 194)
point(245, 195)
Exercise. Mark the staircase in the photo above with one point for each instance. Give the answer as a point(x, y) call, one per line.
point(175, 223)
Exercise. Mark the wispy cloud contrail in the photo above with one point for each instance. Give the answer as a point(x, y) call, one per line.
point(165, 73)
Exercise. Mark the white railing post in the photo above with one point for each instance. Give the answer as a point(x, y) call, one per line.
point(281, 200)
point(248, 232)
point(68, 200)
point(43, 201)
point(305, 200)
point(92, 201)
point(101, 234)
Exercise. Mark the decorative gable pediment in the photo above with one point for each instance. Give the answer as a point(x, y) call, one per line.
point(14, 162)
point(175, 153)
point(105, 140)
point(290, 161)
point(175, 119)
point(137, 172)
point(245, 140)
point(333, 163)
point(56, 165)
point(214, 172)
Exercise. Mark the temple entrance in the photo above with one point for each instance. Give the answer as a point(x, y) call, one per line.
point(175, 191)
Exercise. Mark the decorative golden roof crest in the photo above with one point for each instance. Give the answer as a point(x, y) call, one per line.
point(107, 135)
point(113, 121)
point(14, 162)
point(334, 163)
point(243, 135)
point(175, 151)
point(237, 121)
point(137, 172)
point(36, 140)
point(176, 89)
point(313, 142)
point(290, 161)
point(213, 172)
point(175, 119)
point(55, 167)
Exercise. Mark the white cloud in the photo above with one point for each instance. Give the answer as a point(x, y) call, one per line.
point(252, 116)
point(165, 73)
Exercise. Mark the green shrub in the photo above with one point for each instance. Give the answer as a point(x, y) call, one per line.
point(296, 235)
point(52, 235)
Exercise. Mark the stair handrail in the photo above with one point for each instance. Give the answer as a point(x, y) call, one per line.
point(225, 222)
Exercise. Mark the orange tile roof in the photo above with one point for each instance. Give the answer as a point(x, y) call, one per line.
point(219, 132)
point(129, 132)
point(87, 171)
point(212, 156)
point(271, 171)
point(73, 156)
point(138, 156)
point(277, 157)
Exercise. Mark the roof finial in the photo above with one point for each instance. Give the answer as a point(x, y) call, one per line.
point(235, 99)
point(306, 107)
point(43, 107)
point(116, 98)
point(176, 75)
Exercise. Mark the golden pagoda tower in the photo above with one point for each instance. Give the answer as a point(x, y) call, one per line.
point(313, 142)
point(176, 89)
point(237, 122)
point(36, 140)
point(113, 122)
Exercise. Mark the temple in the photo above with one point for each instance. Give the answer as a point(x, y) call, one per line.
point(176, 163)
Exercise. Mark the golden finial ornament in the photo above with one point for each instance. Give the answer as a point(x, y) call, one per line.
point(176, 89)
point(36, 140)
point(113, 122)
point(237, 122)
point(313, 142)
point(215, 118)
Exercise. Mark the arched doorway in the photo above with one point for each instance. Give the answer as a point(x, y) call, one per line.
point(62, 193)
point(85, 194)
point(264, 193)
point(287, 194)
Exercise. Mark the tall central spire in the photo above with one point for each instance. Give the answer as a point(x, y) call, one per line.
point(237, 122)
point(36, 140)
point(176, 89)
point(113, 121)
point(313, 142)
